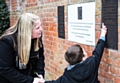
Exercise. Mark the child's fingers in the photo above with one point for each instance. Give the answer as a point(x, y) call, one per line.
point(103, 26)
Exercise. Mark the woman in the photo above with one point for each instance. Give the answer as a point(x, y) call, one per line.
point(21, 51)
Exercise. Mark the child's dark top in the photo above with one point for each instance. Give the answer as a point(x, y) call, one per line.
point(85, 72)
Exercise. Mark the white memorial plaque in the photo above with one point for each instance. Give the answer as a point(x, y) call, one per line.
point(81, 23)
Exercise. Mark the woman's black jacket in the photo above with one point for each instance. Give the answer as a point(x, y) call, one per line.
point(9, 73)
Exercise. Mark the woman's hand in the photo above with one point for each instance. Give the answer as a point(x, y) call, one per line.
point(41, 79)
point(38, 80)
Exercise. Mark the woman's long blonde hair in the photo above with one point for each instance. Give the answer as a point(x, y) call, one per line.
point(23, 28)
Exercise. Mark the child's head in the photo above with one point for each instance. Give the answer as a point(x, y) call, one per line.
point(74, 54)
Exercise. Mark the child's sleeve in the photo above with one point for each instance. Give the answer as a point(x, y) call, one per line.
point(98, 51)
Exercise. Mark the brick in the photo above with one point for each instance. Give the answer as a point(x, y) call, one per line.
point(118, 20)
point(106, 75)
point(109, 61)
point(55, 34)
point(98, 20)
point(116, 79)
point(116, 63)
point(115, 71)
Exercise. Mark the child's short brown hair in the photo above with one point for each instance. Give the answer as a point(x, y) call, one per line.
point(74, 54)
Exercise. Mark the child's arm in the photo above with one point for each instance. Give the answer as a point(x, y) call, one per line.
point(98, 51)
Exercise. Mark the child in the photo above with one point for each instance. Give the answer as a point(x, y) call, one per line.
point(81, 68)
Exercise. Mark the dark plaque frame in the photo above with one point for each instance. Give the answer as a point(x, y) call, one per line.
point(61, 30)
point(110, 19)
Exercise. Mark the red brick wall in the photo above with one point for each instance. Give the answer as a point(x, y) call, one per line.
point(109, 70)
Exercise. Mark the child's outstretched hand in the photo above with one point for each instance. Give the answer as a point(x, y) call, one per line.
point(103, 30)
